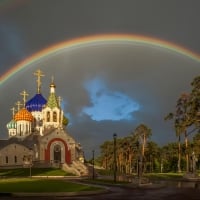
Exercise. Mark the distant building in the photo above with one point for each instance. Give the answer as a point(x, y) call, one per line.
point(38, 136)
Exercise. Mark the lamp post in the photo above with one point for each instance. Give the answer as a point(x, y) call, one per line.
point(93, 164)
point(115, 156)
point(30, 160)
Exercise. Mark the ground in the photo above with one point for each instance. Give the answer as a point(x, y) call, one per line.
point(158, 192)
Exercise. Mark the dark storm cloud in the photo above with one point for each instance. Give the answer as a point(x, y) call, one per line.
point(11, 45)
point(46, 22)
point(153, 77)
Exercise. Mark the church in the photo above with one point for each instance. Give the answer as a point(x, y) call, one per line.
point(37, 134)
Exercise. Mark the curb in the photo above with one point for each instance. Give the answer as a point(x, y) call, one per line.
point(5, 194)
point(59, 194)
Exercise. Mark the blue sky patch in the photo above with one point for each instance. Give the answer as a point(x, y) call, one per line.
point(107, 104)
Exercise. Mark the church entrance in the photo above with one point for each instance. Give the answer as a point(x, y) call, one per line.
point(57, 154)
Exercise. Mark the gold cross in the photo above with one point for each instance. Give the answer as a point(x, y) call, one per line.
point(24, 94)
point(59, 101)
point(39, 74)
point(13, 111)
point(18, 103)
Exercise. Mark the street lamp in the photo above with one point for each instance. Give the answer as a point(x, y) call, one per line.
point(30, 160)
point(115, 156)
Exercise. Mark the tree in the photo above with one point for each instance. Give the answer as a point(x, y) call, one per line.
point(195, 102)
point(169, 157)
point(196, 147)
point(142, 133)
point(65, 121)
point(152, 155)
point(107, 154)
point(182, 121)
point(196, 143)
point(126, 154)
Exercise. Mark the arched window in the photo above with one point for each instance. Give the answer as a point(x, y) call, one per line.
point(6, 159)
point(20, 129)
point(27, 129)
point(15, 159)
point(54, 116)
point(48, 116)
point(57, 153)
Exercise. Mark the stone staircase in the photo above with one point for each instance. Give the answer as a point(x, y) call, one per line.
point(77, 168)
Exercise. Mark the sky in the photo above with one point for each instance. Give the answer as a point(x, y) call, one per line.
point(107, 85)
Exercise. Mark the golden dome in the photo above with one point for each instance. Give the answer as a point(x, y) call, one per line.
point(23, 114)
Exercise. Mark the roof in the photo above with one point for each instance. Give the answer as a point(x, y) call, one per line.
point(52, 101)
point(28, 142)
point(12, 124)
point(23, 114)
point(36, 103)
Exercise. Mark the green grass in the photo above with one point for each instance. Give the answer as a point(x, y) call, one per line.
point(104, 172)
point(34, 172)
point(32, 185)
point(161, 176)
point(107, 181)
point(164, 176)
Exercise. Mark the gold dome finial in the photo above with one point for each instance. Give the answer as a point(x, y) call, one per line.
point(24, 94)
point(52, 85)
point(52, 79)
point(18, 104)
point(59, 100)
point(39, 74)
point(13, 111)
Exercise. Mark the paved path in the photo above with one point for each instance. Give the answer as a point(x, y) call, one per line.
point(123, 193)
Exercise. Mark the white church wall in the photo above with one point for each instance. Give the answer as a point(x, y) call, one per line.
point(13, 155)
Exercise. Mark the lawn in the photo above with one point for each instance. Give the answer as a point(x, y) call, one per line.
point(34, 185)
point(164, 176)
point(21, 172)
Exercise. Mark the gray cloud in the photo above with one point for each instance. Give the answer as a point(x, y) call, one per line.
point(153, 79)
point(152, 76)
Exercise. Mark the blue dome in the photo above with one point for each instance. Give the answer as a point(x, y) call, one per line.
point(36, 103)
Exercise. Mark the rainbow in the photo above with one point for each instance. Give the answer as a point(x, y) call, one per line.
point(96, 39)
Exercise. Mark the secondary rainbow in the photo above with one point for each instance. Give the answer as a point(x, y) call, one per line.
point(78, 42)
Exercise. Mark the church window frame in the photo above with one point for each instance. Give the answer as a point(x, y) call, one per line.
point(54, 116)
point(20, 129)
point(34, 122)
point(15, 159)
point(6, 159)
point(27, 130)
point(48, 116)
